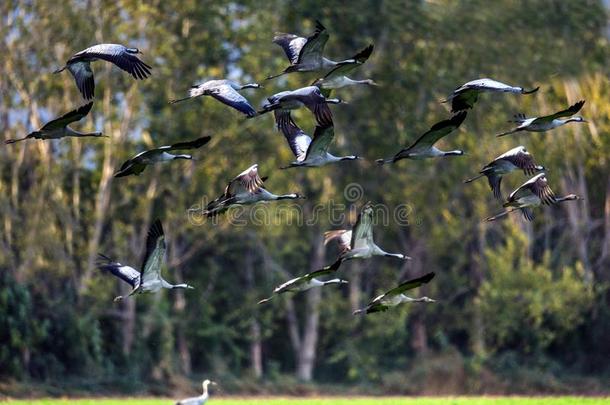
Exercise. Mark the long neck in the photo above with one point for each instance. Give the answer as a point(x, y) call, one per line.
point(380, 252)
point(205, 390)
point(332, 101)
point(570, 197)
point(188, 157)
point(350, 157)
point(250, 86)
point(453, 153)
point(327, 63)
point(333, 281)
point(71, 132)
point(172, 286)
point(284, 197)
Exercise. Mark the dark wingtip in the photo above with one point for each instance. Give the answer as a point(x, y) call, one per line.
point(530, 91)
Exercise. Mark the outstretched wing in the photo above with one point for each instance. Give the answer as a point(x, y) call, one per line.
point(322, 137)
point(83, 76)
point(343, 237)
point(197, 143)
point(345, 67)
point(541, 188)
point(362, 232)
point(69, 117)
point(573, 109)
point(155, 253)
point(118, 55)
point(314, 47)
point(297, 139)
point(521, 158)
point(439, 130)
point(125, 273)
point(229, 96)
point(291, 44)
point(410, 284)
point(247, 181)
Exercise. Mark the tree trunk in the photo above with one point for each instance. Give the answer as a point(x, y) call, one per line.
point(307, 354)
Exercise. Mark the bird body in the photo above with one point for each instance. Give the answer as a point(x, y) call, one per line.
point(138, 163)
point(309, 153)
point(465, 96)
point(148, 279)
point(515, 159)
point(337, 77)
point(358, 242)
point(546, 122)
point(423, 147)
point(79, 65)
point(307, 282)
point(305, 54)
point(245, 189)
point(396, 296)
point(58, 128)
point(225, 91)
point(309, 97)
point(201, 399)
point(531, 194)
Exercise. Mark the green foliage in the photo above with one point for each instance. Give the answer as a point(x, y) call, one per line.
point(526, 306)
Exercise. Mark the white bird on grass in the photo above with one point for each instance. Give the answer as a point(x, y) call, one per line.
point(201, 399)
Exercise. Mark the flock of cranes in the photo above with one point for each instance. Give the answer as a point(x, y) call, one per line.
point(306, 54)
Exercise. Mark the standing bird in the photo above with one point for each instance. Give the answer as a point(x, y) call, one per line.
point(358, 242)
point(138, 163)
point(245, 189)
point(396, 296)
point(337, 77)
point(515, 159)
point(225, 91)
point(148, 279)
point(424, 147)
point(530, 194)
point(310, 153)
point(306, 282)
point(465, 96)
point(547, 122)
point(309, 97)
point(201, 399)
point(58, 128)
point(125, 58)
point(306, 54)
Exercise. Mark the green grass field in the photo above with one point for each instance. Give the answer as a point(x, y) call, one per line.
point(336, 401)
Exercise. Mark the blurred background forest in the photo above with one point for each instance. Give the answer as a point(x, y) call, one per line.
point(522, 307)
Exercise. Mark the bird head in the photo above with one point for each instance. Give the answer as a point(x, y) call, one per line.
point(370, 82)
point(571, 197)
point(133, 50)
point(426, 299)
point(577, 119)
